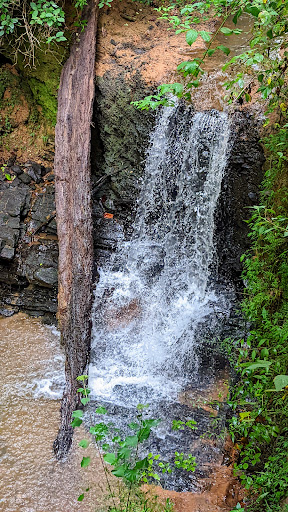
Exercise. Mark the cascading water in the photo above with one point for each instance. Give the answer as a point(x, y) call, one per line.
point(158, 287)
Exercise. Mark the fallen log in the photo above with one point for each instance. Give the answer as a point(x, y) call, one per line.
point(74, 215)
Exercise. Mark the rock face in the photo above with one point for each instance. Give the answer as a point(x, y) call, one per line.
point(240, 191)
point(28, 240)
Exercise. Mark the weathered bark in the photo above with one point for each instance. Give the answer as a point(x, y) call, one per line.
point(74, 215)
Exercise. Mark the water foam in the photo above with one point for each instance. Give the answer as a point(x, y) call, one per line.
point(158, 288)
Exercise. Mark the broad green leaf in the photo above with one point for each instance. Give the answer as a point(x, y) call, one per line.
point(281, 381)
point(84, 443)
point(101, 410)
point(119, 471)
point(236, 16)
point(81, 497)
point(260, 364)
point(224, 49)
point(134, 426)
point(191, 36)
point(227, 31)
point(85, 400)
point(110, 458)
point(77, 414)
point(252, 9)
point(205, 36)
point(85, 462)
point(76, 422)
point(131, 441)
point(211, 52)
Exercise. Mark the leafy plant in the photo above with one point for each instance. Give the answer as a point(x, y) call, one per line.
point(126, 453)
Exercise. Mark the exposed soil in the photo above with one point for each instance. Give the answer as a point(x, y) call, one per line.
point(131, 38)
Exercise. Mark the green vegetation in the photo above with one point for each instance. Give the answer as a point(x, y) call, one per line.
point(125, 454)
point(260, 397)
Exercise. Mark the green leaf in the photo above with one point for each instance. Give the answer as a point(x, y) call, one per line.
point(77, 414)
point(227, 31)
point(205, 36)
point(236, 16)
point(85, 400)
point(110, 458)
point(131, 441)
point(82, 377)
point(81, 497)
point(134, 426)
point(259, 364)
point(224, 49)
point(124, 453)
point(191, 36)
point(252, 9)
point(85, 462)
point(84, 443)
point(211, 52)
point(119, 471)
point(76, 422)
point(101, 410)
point(281, 381)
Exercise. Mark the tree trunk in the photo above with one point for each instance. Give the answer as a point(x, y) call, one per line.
point(74, 215)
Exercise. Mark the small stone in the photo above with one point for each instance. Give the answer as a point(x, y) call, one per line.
point(7, 253)
point(16, 169)
point(25, 178)
point(37, 168)
point(35, 177)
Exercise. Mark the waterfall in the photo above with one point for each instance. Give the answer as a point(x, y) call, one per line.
point(158, 287)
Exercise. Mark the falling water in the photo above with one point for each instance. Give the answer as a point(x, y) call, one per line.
point(158, 288)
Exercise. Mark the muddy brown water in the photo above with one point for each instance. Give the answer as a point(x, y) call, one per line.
point(31, 480)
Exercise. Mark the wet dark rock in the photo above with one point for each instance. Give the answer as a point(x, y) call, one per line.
point(35, 176)
point(16, 169)
point(28, 243)
point(240, 189)
point(25, 178)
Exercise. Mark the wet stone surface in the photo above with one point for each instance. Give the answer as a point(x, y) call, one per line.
point(28, 240)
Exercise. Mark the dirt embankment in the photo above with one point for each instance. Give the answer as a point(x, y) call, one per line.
point(131, 38)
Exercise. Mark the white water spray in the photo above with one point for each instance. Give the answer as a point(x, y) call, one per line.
point(157, 289)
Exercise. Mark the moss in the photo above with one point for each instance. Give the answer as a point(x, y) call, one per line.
point(44, 79)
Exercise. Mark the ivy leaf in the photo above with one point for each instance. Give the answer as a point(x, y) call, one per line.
point(224, 49)
point(191, 36)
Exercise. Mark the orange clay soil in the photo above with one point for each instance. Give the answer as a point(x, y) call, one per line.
point(131, 38)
